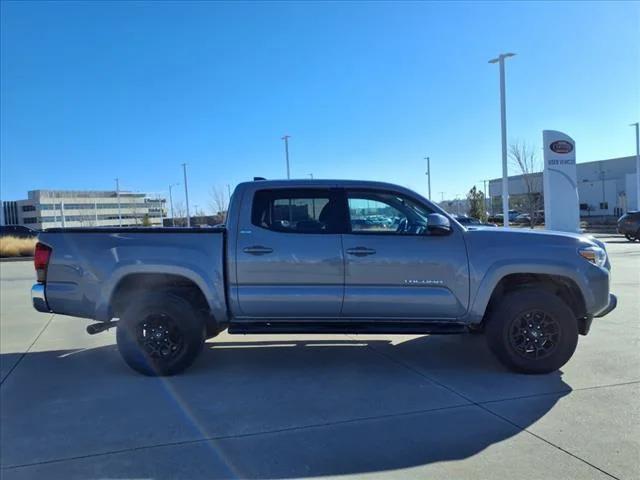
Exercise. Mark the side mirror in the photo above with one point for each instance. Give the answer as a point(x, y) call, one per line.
point(438, 224)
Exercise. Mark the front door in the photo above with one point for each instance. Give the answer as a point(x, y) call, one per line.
point(289, 257)
point(393, 268)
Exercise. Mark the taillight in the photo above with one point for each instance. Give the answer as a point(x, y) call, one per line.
point(41, 261)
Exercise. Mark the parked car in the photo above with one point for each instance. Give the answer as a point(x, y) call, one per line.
point(523, 219)
point(629, 226)
point(471, 222)
point(290, 260)
point(19, 231)
point(499, 218)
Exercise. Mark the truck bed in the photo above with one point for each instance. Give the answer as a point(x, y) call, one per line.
point(219, 229)
point(88, 265)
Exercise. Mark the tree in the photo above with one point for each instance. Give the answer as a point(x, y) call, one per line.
point(146, 221)
point(179, 214)
point(218, 201)
point(526, 162)
point(476, 201)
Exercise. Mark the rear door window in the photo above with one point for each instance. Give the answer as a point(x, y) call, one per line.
point(297, 210)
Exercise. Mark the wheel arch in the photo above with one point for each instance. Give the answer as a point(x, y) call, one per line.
point(135, 284)
point(552, 277)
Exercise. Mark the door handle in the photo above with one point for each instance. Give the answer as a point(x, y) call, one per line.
point(360, 251)
point(257, 250)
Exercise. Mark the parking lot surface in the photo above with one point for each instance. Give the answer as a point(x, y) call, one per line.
point(257, 406)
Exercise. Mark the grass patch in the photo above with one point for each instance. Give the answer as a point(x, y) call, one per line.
point(17, 247)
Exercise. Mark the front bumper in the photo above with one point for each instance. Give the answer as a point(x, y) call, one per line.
point(38, 298)
point(613, 303)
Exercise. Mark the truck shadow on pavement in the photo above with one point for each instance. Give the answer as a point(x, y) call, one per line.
point(266, 408)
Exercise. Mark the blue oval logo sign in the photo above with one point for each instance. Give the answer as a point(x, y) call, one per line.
point(561, 146)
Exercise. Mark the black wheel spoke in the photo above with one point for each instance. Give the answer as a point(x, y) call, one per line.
point(160, 337)
point(534, 334)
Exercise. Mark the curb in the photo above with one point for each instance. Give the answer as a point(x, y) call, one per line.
point(16, 259)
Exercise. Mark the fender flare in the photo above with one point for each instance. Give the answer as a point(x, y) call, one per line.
point(498, 270)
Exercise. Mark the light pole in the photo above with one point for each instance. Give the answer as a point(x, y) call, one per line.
point(486, 194)
point(186, 192)
point(286, 152)
point(428, 175)
point(637, 164)
point(442, 197)
point(119, 206)
point(173, 219)
point(503, 124)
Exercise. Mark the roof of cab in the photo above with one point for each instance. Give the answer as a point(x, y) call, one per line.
point(306, 182)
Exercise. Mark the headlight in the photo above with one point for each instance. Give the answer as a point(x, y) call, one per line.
point(596, 255)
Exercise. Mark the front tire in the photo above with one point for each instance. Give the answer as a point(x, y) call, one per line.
point(532, 331)
point(160, 334)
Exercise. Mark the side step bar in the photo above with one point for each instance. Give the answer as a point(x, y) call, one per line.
point(348, 327)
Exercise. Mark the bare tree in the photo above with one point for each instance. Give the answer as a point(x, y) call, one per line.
point(526, 162)
point(218, 201)
point(180, 214)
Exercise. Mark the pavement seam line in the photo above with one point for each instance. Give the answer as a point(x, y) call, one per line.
point(491, 412)
point(237, 436)
point(557, 392)
point(24, 354)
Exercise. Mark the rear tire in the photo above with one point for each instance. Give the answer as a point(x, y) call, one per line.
point(160, 334)
point(532, 331)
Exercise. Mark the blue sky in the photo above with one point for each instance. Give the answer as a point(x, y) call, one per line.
point(93, 91)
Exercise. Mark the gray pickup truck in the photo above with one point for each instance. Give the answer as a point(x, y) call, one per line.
point(322, 256)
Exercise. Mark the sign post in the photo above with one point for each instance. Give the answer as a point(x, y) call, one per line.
point(561, 205)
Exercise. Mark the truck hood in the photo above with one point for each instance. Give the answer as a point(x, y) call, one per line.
point(526, 235)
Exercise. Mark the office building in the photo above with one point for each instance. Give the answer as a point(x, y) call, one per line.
point(65, 208)
point(606, 188)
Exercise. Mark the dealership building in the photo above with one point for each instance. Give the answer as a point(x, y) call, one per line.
point(606, 188)
point(67, 208)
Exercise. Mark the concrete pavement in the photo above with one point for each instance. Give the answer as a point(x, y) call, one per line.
point(310, 406)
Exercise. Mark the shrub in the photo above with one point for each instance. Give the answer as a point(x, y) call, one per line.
point(17, 247)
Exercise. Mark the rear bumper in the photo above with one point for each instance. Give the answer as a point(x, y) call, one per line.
point(613, 303)
point(38, 298)
point(627, 229)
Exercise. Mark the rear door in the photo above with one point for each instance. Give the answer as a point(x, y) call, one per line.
point(289, 259)
point(393, 268)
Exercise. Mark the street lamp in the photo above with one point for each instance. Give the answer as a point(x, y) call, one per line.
point(503, 124)
point(486, 194)
point(637, 164)
point(428, 176)
point(173, 219)
point(186, 192)
point(286, 152)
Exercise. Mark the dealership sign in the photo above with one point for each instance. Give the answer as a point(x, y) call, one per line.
point(561, 205)
point(561, 146)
